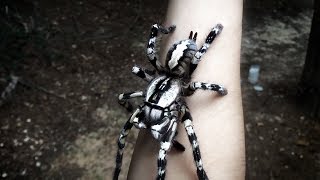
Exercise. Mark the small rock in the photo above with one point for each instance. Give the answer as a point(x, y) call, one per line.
point(57, 83)
point(282, 149)
point(15, 142)
point(40, 141)
point(38, 164)
point(28, 120)
point(260, 124)
point(261, 138)
point(302, 142)
point(83, 98)
point(258, 88)
point(26, 139)
point(6, 127)
point(4, 175)
point(55, 23)
point(74, 46)
point(248, 127)
point(279, 120)
point(38, 153)
point(28, 104)
point(1, 144)
point(24, 172)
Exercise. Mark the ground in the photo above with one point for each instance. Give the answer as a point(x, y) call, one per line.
point(64, 124)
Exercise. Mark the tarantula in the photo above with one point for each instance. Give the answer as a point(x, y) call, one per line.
point(164, 107)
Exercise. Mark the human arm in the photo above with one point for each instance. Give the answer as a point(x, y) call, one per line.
point(218, 121)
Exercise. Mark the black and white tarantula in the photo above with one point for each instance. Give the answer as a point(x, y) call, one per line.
point(164, 107)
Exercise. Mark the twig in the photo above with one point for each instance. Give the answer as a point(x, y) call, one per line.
point(39, 88)
point(9, 89)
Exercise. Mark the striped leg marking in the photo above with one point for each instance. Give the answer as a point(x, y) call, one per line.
point(211, 36)
point(142, 73)
point(187, 120)
point(124, 97)
point(151, 52)
point(121, 142)
point(207, 86)
point(162, 163)
point(165, 147)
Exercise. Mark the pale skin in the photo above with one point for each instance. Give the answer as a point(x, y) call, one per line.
point(218, 121)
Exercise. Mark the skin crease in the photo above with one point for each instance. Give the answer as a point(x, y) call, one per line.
point(218, 121)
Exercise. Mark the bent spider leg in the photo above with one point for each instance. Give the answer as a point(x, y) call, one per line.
point(187, 120)
point(151, 52)
point(211, 36)
point(121, 142)
point(164, 148)
point(124, 97)
point(137, 121)
point(207, 86)
point(142, 73)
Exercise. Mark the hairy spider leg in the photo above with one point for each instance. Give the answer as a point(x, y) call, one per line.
point(143, 73)
point(151, 52)
point(124, 97)
point(211, 36)
point(121, 142)
point(164, 148)
point(187, 120)
point(207, 86)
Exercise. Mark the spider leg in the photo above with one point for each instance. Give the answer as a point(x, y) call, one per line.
point(143, 73)
point(165, 146)
point(151, 52)
point(187, 120)
point(207, 86)
point(124, 97)
point(121, 142)
point(211, 36)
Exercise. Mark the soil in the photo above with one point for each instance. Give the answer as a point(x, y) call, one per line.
point(64, 124)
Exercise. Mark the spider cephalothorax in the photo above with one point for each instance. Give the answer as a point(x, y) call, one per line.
point(164, 106)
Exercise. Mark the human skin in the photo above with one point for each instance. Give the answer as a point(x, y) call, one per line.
point(218, 120)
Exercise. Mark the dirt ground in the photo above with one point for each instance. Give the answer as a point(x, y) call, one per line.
point(70, 131)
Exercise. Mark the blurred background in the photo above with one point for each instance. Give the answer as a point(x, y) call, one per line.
point(63, 64)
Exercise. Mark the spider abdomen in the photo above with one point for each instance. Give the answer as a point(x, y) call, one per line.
point(179, 57)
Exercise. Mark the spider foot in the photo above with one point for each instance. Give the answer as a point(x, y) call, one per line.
point(218, 28)
point(223, 91)
point(202, 175)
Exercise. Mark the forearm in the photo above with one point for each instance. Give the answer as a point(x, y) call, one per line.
point(218, 121)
